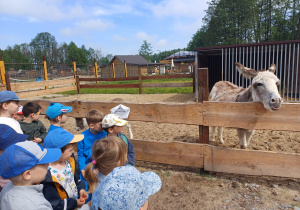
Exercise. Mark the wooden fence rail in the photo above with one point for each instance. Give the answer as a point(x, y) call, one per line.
point(140, 85)
point(210, 158)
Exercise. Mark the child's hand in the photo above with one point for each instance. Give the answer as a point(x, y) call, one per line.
point(80, 202)
point(83, 195)
point(37, 140)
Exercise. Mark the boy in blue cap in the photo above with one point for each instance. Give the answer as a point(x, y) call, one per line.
point(25, 164)
point(8, 136)
point(9, 105)
point(57, 114)
point(62, 186)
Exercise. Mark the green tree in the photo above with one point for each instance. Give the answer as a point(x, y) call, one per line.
point(146, 50)
point(44, 44)
point(77, 53)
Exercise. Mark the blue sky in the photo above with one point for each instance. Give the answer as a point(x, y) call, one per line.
point(117, 27)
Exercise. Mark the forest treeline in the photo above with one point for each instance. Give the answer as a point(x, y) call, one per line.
point(229, 22)
point(45, 45)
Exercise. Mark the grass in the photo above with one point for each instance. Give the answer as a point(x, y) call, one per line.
point(156, 90)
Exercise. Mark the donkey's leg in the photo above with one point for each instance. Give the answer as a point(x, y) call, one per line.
point(213, 132)
point(249, 134)
point(242, 137)
point(220, 132)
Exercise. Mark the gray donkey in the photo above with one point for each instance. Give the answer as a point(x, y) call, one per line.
point(264, 89)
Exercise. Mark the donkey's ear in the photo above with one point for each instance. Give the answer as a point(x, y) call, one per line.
point(247, 72)
point(272, 68)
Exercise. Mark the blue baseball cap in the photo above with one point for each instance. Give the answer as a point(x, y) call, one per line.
point(55, 109)
point(125, 188)
point(7, 95)
point(9, 136)
point(59, 138)
point(22, 156)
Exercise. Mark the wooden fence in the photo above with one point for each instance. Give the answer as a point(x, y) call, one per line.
point(46, 87)
point(210, 158)
point(140, 85)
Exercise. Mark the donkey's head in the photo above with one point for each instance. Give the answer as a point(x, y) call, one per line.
point(264, 86)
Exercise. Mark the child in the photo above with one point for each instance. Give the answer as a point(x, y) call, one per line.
point(62, 186)
point(8, 136)
point(119, 187)
point(9, 104)
point(57, 114)
point(84, 148)
point(31, 125)
point(19, 116)
point(113, 125)
point(107, 154)
point(30, 162)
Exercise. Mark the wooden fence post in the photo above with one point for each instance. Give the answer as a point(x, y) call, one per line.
point(78, 84)
point(113, 68)
point(2, 71)
point(7, 81)
point(45, 70)
point(140, 81)
point(96, 70)
point(203, 93)
point(125, 67)
point(74, 68)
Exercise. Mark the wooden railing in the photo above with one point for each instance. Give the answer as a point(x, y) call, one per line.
point(208, 157)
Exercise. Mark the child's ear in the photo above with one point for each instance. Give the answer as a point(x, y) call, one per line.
point(26, 175)
point(110, 130)
point(91, 125)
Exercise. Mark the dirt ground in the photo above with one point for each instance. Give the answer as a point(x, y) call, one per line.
point(191, 188)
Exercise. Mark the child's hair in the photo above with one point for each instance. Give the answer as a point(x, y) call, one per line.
point(109, 153)
point(66, 147)
point(94, 116)
point(106, 129)
point(5, 102)
point(55, 118)
point(30, 108)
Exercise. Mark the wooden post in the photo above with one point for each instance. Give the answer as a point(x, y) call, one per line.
point(113, 68)
point(203, 93)
point(7, 81)
point(45, 70)
point(78, 84)
point(2, 71)
point(74, 68)
point(96, 70)
point(125, 67)
point(140, 81)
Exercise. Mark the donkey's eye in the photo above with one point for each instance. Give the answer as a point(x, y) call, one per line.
point(259, 84)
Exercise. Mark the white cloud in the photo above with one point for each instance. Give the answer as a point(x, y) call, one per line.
point(37, 10)
point(178, 8)
point(161, 43)
point(144, 36)
point(86, 26)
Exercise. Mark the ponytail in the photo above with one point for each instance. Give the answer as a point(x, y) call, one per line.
point(91, 177)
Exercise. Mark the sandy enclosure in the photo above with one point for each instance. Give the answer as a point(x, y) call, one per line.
point(190, 188)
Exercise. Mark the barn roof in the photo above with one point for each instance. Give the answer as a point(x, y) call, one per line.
point(131, 59)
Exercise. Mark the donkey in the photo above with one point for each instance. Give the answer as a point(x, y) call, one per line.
point(264, 89)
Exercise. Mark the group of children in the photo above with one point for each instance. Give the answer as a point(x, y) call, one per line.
point(40, 171)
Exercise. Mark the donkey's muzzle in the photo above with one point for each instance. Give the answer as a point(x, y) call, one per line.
point(275, 103)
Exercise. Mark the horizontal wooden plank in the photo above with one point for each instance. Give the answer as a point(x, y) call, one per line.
point(108, 79)
point(251, 162)
point(173, 153)
point(34, 85)
point(111, 86)
point(185, 84)
point(168, 76)
point(189, 114)
point(34, 93)
point(251, 116)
